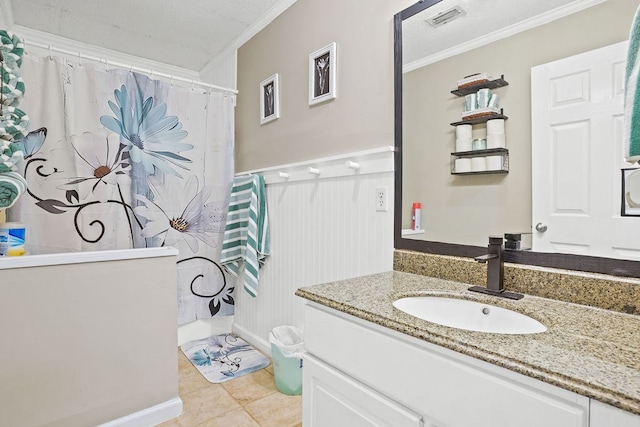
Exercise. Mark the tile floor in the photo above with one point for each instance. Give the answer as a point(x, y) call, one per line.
point(248, 401)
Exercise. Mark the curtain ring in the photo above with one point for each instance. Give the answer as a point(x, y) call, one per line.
point(192, 84)
point(171, 81)
point(50, 54)
point(106, 64)
point(151, 75)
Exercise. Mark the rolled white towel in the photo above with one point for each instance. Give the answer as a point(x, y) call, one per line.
point(495, 140)
point(464, 132)
point(495, 127)
point(12, 186)
point(478, 164)
point(463, 165)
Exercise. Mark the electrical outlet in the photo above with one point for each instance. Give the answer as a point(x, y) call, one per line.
point(381, 199)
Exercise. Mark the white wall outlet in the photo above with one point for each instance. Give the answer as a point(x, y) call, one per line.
point(382, 202)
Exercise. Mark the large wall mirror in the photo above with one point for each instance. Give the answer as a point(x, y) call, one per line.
point(532, 50)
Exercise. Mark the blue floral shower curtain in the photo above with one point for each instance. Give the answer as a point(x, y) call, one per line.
point(117, 160)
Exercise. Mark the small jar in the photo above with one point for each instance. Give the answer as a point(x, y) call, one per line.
point(479, 144)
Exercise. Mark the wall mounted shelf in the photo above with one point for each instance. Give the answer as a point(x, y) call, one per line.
point(479, 120)
point(491, 84)
point(487, 161)
point(503, 167)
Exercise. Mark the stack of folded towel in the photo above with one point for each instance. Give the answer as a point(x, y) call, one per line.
point(13, 121)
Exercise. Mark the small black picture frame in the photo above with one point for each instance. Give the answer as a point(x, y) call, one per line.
point(269, 99)
point(322, 74)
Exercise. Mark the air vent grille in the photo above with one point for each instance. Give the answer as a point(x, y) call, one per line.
point(446, 16)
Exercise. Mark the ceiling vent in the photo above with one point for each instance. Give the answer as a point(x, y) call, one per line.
point(446, 16)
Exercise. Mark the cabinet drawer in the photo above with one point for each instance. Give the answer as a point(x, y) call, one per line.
point(602, 415)
point(332, 399)
point(450, 388)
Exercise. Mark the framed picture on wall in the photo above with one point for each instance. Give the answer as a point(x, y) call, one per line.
point(322, 74)
point(269, 99)
point(630, 192)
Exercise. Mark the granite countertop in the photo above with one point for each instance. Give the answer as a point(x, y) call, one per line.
point(591, 351)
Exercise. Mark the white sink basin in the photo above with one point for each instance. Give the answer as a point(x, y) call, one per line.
point(469, 315)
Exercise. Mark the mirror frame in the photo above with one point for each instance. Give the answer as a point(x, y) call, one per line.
point(611, 266)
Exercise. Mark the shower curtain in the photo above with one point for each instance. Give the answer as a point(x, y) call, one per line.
point(115, 159)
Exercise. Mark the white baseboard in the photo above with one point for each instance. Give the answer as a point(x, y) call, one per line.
point(262, 345)
point(204, 328)
point(150, 416)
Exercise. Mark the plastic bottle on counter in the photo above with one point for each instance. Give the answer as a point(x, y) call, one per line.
point(415, 216)
point(12, 239)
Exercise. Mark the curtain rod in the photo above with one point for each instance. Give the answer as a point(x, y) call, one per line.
point(147, 71)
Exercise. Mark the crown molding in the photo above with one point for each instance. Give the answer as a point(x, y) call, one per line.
point(509, 31)
point(251, 31)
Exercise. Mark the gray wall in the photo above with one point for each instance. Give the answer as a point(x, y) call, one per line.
point(360, 118)
point(467, 209)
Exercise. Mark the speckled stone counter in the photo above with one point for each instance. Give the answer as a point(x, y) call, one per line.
point(597, 290)
point(588, 350)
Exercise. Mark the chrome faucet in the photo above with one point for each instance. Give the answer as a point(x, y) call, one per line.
point(494, 258)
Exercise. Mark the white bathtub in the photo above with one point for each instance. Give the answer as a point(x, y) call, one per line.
point(89, 338)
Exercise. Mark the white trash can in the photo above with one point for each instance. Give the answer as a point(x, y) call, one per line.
point(287, 348)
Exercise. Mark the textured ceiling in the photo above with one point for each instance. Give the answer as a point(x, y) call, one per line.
point(185, 33)
point(482, 17)
point(192, 33)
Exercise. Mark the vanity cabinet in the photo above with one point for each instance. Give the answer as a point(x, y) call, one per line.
point(603, 415)
point(367, 373)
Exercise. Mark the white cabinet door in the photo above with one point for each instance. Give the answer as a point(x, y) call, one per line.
point(603, 415)
point(332, 399)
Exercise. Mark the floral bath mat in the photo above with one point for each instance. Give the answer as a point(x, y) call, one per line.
point(224, 357)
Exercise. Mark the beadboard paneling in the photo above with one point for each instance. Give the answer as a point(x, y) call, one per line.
point(321, 231)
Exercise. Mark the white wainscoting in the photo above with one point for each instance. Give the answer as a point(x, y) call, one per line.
point(322, 229)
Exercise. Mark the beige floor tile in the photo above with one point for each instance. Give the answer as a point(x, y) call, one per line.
point(204, 404)
point(237, 418)
point(190, 379)
point(220, 405)
point(171, 423)
point(183, 361)
point(270, 367)
point(276, 410)
point(251, 387)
